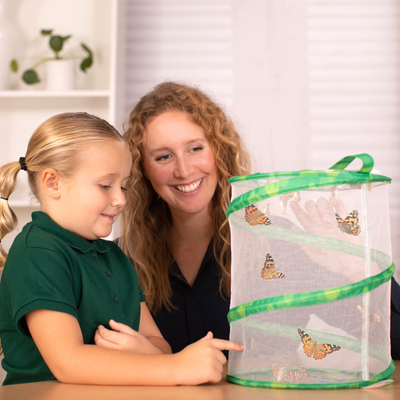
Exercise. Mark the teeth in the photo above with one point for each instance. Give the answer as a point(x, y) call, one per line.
point(189, 188)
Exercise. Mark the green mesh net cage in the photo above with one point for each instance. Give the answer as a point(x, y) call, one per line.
point(311, 270)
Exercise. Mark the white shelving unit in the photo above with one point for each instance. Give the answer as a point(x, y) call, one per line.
point(98, 23)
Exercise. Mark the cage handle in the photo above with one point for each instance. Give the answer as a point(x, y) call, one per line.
point(367, 160)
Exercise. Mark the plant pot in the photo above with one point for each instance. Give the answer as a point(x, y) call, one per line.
point(59, 75)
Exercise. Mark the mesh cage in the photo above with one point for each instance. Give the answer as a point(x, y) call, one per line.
point(311, 270)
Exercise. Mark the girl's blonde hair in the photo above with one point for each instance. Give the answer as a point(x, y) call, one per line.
point(57, 143)
point(146, 219)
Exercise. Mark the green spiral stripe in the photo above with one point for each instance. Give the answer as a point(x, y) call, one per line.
point(310, 298)
point(304, 180)
point(386, 374)
point(367, 160)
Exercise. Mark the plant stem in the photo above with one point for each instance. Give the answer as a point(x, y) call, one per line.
point(42, 61)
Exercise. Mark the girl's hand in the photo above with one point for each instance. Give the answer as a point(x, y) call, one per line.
point(122, 337)
point(202, 361)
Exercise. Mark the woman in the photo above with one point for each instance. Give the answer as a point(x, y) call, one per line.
point(174, 228)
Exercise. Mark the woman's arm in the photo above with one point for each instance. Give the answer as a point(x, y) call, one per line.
point(148, 340)
point(59, 339)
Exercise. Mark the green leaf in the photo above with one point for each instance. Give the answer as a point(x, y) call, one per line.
point(46, 31)
point(86, 63)
point(87, 49)
point(56, 43)
point(14, 65)
point(30, 77)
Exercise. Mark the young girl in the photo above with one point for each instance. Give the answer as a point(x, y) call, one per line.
point(63, 288)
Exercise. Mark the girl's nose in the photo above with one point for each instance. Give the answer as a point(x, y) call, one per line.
point(119, 199)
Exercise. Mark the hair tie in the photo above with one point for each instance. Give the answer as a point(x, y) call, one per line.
point(22, 163)
point(4, 198)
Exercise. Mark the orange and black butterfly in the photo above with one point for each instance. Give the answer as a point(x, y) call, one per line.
point(350, 224)
point(313, 349)
point(269, 271)
point(255, 217)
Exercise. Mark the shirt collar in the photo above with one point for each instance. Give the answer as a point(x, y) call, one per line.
point(44, 222)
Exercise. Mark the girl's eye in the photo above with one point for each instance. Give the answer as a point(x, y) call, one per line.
point(105, 187)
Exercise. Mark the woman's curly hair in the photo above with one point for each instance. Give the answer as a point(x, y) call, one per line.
point(146, 220)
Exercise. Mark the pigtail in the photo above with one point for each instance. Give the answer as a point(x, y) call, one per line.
point(8, 218)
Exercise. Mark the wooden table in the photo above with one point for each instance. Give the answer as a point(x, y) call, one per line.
point(221, 391)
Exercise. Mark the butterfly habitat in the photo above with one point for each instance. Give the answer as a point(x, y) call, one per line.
point(311, 271)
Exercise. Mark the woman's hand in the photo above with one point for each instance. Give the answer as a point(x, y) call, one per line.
point(203, 360)
point(318, 218)
point(122, 337)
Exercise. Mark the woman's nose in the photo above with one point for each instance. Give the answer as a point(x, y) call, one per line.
point(183, 167)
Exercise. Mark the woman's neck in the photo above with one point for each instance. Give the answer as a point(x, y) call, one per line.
point(192, 227)
point(190, 237)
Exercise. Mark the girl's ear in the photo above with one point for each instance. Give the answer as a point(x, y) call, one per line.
point(49, 181)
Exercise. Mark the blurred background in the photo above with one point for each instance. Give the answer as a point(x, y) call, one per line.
point(306, 81)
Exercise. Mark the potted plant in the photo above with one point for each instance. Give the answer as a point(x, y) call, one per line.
point(56, 43)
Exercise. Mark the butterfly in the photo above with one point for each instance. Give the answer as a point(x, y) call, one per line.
point(302, 376)
point(281, 375)
point(269, 271)
point(255, 217)
point(350, 224)
point(313, 349)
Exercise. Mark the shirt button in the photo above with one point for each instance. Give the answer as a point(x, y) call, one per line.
point(115, 299)
point(108, 273)
point(94, 254)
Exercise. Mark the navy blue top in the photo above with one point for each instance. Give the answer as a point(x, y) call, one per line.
point(198, 309)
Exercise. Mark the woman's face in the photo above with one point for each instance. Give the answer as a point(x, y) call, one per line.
point(179, 162)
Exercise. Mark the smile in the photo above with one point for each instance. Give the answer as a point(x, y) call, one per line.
point(109, 217)
point(189, 188)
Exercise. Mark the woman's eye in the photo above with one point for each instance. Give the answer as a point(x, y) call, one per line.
point(195, 149)
point(124, 189)
point(163, 158)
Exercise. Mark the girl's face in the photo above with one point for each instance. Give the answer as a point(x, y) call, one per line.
point(94, 196)
point(179, 162)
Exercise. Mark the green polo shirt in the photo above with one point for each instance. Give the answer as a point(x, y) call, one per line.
point(51, 268)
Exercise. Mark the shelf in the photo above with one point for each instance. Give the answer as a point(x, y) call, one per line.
point(52, 94)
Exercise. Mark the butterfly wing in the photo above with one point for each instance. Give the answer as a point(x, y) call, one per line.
point(255, 217)
point(321, 350)
point(308, 343)
point(350, 224)
point(269, 271)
